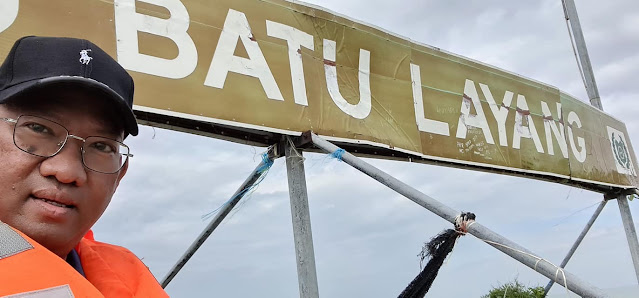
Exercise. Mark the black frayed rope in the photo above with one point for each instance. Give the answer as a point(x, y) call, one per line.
point(437, 249)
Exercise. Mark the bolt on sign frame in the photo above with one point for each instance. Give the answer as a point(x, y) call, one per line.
point(302, 68)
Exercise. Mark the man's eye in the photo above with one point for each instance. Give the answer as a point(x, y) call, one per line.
point(39, 128)
point(103, 147)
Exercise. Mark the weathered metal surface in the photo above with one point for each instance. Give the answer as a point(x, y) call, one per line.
point(246, 70)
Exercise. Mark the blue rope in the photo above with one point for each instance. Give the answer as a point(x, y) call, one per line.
point(267, 161)
point(263, 170)
point(338, 154)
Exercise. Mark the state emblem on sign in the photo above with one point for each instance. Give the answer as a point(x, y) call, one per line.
point(620, 152)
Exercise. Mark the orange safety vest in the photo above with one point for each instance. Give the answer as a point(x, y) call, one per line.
point(28, 269)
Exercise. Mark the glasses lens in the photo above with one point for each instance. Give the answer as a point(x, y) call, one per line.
point(104, 155)
point(39, 136)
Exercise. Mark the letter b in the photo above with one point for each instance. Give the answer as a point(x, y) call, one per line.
point(8, 13)
point(127, 24)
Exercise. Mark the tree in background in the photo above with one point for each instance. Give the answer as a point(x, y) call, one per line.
point(515, 289)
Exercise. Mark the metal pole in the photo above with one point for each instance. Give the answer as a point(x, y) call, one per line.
point(508, 247)
point(219, 217)
point(302, 234)
point(578, 241)
point(631, 233)
point(593, 93)
point(584, 59)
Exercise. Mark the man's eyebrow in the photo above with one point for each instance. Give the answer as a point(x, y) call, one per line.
point(107, 129)
point(29, 109)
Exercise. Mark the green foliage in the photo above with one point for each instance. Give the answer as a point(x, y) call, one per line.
point(515, 289)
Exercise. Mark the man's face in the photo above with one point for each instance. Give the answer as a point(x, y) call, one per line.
point(32, 188)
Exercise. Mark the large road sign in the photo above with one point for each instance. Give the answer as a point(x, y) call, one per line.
point(251, 70)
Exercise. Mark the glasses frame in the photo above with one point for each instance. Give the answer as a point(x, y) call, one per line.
point(82, 151)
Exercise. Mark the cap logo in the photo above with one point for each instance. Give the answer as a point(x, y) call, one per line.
point(84, 57)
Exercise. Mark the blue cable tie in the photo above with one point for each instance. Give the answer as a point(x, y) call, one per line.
point(338, 154)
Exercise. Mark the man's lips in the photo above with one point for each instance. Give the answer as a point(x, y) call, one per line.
point(52, 202)
point(54, 197)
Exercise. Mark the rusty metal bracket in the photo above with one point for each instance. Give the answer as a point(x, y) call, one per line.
point(302, 142)
point(622, 192)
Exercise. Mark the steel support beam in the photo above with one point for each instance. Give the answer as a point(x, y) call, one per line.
point(517, 252)
point(584, 59)
point(593, 93)
point(219, 217)
point(578, 241)
point(302, 234)
point(631, 233)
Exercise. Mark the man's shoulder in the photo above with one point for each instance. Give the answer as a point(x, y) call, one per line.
point(107, 265)
point(106, 251)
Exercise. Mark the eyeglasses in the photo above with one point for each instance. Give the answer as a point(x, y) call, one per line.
point(45, 138)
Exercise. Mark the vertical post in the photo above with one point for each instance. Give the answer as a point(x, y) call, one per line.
point(582, 51)
point(593, 93)
point(631, 233)
point(306, 274)
point(578, 241)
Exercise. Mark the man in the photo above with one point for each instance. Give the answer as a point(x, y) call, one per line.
point(65, 108)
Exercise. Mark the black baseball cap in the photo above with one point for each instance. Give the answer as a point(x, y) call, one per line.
point(38, 62)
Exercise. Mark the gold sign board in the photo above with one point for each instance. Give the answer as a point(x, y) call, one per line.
point(284, 67)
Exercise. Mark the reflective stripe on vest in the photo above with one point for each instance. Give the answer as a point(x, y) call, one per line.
point(29, 270)
point(11, 243)
point(55, 292)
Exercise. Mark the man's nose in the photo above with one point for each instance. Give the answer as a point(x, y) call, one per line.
point(66, 166)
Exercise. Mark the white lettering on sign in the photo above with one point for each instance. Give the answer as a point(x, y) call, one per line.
point(362, 109)
point(127, 24)
point(295, 39)
point(8, 13)
point(236, 26)
point(550, 127)
point(466, 120)
point(500, 112)
point(525, 130)
point(424, 124)
point(237, 29)
point(580, 155)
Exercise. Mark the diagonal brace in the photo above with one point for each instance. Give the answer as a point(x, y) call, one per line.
point(577, 242)
point(219, 217)
point(508, 247)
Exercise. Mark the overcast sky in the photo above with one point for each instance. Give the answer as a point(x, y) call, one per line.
point(366, 236)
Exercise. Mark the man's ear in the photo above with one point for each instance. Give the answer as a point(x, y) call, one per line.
point(122, 172)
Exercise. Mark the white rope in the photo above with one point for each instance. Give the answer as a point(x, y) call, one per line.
point(462, 223)
point(539, 259)
point(297, 153)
